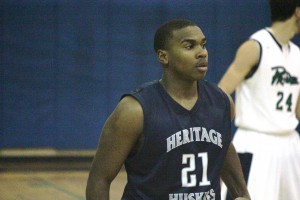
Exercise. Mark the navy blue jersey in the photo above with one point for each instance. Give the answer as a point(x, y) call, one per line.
point(181, 151)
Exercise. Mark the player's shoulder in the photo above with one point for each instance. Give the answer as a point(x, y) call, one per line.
point(129, 103)
point(262, 33)
point(145, 94)
point(146, 86)
point(213, 88)
point(145, 89)
point(219, 97)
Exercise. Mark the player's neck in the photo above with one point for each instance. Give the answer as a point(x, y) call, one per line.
point(180, 90)
point(184, 94)
point(283, 32)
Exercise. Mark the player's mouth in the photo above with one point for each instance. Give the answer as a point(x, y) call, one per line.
point(203, 66)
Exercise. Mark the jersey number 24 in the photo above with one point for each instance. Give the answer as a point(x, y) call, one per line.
point(284, 101)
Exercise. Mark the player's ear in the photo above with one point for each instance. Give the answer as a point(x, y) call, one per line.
point(297, 12)
point(162, 56)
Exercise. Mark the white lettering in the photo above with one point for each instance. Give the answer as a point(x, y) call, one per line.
point(197, 133)
point(191, 135)
point(194, 134)
point(219, 140)
point(191, 196)
point(212, 194)
point(213, 137)
point(199, 196)
point(171, 143)
point(180, 196)
point(186, 136)
point(207, 195)
point(204, 135)
point(178, 138)
point(173, 196)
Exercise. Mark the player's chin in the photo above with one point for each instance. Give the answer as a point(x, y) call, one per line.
point(201, 76)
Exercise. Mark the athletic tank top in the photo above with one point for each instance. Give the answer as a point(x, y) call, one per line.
point(266, 101)
point(182, 150)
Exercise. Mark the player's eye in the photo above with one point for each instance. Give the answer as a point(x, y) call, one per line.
point(189, 46)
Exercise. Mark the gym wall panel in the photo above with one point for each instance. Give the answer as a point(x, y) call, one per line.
point(65, 64)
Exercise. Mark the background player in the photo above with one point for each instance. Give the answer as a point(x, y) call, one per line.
point(265, 75)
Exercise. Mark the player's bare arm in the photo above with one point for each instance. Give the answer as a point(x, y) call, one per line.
point(247, 56)
point(232, 175)
point(232, 107)
point(298, 108)
point(118, 137)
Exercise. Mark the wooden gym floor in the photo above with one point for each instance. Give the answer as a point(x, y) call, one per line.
point(58, 176)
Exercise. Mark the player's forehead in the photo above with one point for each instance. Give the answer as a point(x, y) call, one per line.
point(188, 33)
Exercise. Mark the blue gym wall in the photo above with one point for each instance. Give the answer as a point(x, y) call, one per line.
point(64, 64)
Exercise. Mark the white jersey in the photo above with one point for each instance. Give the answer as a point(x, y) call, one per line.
point(266, 101)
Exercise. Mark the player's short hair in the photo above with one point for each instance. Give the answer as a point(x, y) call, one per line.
point(164, 32)
point(282, 10)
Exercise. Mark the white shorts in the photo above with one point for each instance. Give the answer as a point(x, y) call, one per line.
point(274, 171)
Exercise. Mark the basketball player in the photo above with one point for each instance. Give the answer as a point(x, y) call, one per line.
point(265, 76)
point(172, 134)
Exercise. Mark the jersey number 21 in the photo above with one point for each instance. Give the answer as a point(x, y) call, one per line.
point(188, 178)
